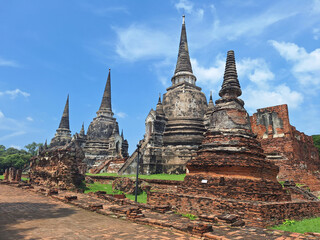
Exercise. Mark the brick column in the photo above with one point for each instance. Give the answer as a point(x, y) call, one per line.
point(6, 174)
point(18, 175)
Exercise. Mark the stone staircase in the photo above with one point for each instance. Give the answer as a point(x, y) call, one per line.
point(131, 159)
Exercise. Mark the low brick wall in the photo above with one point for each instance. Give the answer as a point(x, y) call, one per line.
point(254, 213)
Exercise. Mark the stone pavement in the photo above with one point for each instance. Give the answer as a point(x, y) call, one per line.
point(27, 215)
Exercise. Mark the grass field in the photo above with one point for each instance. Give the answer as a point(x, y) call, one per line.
point(179, 177)
point(306, 225)
point(94, 187)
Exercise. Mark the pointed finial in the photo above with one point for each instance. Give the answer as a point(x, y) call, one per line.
point(106, 99)
point(183, 61)
point(45, 144)
point(122, 133)
point(64, 123)
point(82, 133)
point(230, 86)
point(210, 104)
point(159, 108)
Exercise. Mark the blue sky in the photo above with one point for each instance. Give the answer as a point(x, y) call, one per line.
point(49, 49)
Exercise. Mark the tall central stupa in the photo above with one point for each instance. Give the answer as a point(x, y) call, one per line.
point(175, 129)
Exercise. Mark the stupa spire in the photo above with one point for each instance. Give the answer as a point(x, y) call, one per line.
point(64, 123)
point(106, 99)
point(230, 86)
point(183, 62)
point(210, 104)
point(82, 133)
point(159, 108)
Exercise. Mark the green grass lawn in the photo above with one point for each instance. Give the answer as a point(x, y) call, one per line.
point(24, 179)
point(94, 187)
point(179, 177)
point(306, 225)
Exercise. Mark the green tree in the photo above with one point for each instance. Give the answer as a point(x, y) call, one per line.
point(33, 148)
point(316, 141)
point(2, 150)
point(13, 157)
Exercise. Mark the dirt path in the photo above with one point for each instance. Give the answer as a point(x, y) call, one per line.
point(26, 215)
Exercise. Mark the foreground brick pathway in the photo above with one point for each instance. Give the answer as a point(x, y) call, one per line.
point(27, 215)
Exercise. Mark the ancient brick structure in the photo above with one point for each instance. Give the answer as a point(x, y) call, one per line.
point(6, 174)
point(293, 151)
point(175, 130)
point(63, 133)
point(12, 175)
point(104, 148)
point(230, 173)
point(103, 140)
point(58, 167)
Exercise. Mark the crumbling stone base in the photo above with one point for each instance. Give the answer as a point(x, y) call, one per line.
point(254, 213)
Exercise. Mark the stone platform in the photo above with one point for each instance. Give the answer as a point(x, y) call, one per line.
point(253, 213)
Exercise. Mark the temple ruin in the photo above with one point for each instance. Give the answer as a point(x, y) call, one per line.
point(175, 129)
point(291, 150)
point(231, 174)
point(64, 162)
point(103, 139)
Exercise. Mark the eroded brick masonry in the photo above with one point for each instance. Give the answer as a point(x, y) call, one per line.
point(291, 150)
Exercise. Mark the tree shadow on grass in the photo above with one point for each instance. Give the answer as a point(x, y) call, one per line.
point(18, 212)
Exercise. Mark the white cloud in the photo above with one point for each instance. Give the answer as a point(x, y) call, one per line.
point(14, 93)
point(10, 128)
point(210, 77)
point(30, 119)
point(121, 114)
point(184, 5)
point(260, 91)
point(256, 70)
point(8, 63)
point(16, 147)
point(11, 135)
point(316, 33)
point(139, 42)
point(248, 26)
point(305, 66)
point(260, 98)
point(316, 6)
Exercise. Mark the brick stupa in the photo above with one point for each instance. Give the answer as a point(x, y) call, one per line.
point(230, 161)
point(230, 174)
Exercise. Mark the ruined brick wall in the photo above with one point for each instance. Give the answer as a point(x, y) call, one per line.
point(293, 151)
point(254, 213)
point(58, 167)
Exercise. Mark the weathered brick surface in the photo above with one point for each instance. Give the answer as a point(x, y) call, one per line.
point(58, 167)
point(230, 174)
point(254, 213)
point(12, 175)
point(291, 150)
